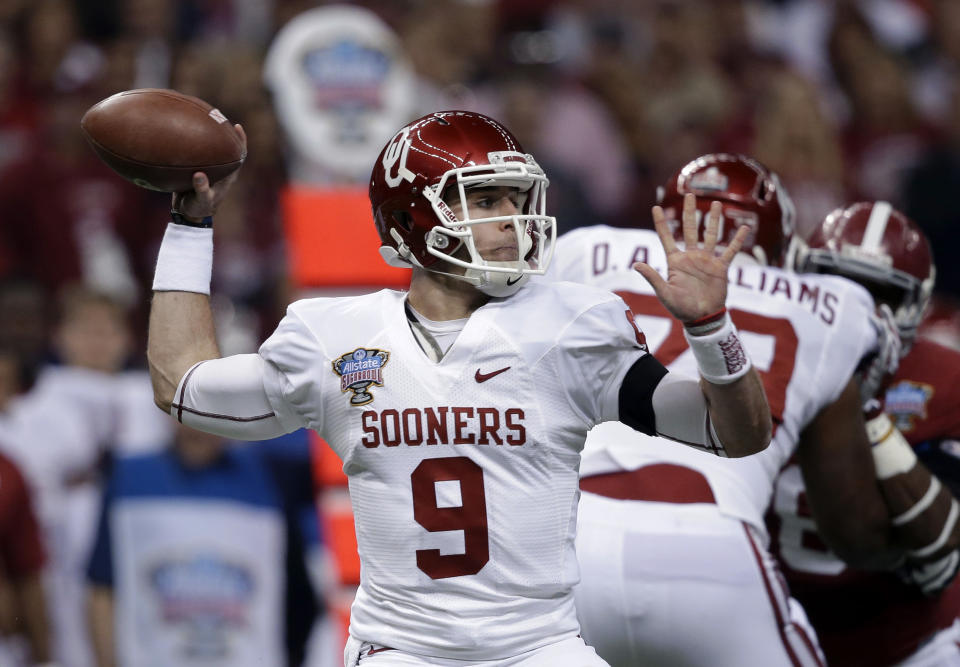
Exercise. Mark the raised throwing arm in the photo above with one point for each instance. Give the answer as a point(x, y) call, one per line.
point(181, 331)
point(695, 292)
point(190, 380)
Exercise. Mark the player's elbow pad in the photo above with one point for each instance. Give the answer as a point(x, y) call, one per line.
point(226, 397)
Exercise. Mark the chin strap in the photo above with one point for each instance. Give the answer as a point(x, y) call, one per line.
point(497, 284)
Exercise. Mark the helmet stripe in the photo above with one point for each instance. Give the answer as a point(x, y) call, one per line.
point(876, 225)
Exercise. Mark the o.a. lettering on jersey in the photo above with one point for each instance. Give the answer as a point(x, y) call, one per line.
point(444, 425)
point(601, 262)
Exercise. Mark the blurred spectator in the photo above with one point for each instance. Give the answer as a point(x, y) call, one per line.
point(794, 138)
point(77, 412)
point(189, 566)
point(57, 58)
point(93, 342)
point(66, 217)
point(50, 441)
point(885, 136)
point(24, 325)
point(940, 61)
point(18, 109)
point(447, 57)
point(589, 169)
point(24, 624)
point(929, 194)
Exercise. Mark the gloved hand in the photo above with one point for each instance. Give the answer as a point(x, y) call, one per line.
point(878, 369)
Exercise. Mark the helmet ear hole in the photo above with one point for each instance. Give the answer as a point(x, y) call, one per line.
point(403, 219)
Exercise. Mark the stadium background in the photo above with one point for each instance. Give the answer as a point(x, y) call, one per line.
point(846, 100)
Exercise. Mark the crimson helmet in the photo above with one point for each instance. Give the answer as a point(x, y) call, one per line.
point(449, 152)
point(882, 249)
point(751, 195)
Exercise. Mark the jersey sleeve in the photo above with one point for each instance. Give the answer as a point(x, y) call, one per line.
point(592, 356)
point(294, 359)
point(226, 396)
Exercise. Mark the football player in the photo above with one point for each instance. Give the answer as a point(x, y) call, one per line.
point(668, 540)
point(459, 408)
point(881, 618)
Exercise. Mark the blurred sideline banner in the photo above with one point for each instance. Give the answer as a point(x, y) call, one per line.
point(332, 241)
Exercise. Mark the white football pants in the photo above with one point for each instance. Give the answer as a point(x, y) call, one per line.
point(666, 583)
point(570, 652)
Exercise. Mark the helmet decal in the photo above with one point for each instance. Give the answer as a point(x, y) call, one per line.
point(396, 154)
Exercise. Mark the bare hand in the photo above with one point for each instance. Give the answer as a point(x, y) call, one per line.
point(204, 199)
point(696, 284)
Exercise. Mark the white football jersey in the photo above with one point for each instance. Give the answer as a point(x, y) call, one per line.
point(804, 334)
point(464, 473)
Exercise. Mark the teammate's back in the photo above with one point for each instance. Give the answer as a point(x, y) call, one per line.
point(669, 539)
point(805, 334)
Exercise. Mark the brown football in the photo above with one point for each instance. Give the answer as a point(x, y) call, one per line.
point(158, 138)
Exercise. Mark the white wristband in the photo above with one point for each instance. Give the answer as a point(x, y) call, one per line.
point(185, 260)
point(892, 454)
point(720, 356)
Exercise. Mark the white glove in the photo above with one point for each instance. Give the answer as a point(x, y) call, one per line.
point(877, 369)
point(931, 578)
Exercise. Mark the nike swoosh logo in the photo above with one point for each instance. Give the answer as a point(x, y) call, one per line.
point(483, 377)
point(513, 281)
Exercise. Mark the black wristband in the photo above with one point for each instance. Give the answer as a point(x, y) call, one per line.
point(177, 218)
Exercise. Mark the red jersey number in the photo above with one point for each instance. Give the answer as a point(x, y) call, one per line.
point(775, 378)
point(470, 516)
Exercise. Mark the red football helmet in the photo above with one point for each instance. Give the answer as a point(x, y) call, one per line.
point(446, 153)
point(882, 249)
point(751, 195)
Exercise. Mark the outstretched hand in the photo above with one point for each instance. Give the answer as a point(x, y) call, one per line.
point(696, 283)
point(204, 199)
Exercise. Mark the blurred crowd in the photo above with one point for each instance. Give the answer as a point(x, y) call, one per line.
point(844, 99)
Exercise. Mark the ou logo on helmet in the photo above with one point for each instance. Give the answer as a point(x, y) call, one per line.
point(396, 155)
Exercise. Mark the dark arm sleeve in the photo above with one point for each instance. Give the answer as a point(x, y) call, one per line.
point(636, 394)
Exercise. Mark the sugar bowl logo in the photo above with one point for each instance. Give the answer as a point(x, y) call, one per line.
point(205, 601)
point(358, 370)
point(907, 402)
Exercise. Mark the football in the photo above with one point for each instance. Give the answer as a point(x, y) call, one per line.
point(158, 138)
